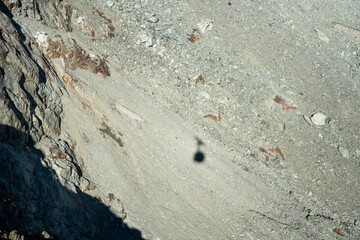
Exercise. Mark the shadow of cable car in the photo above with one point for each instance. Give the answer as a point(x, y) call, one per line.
point(199, 156)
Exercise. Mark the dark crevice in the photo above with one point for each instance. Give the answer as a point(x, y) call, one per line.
point(274, 220)
point(37, 9)
point(345, 225)
point(323, 216)
point(5, 10)
point(72, 154)
point(42, 74)
point(33, 103)
point(317, 215)
point(18, 114)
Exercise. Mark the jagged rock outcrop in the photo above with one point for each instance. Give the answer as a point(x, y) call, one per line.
point(72, 55)
point(52, 13)
point(42, 184)
point(28, 86)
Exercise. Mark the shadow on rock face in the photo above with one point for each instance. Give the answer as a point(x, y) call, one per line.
point(32, 200)
point(199, 156)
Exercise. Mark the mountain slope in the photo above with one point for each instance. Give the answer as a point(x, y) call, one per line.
point(197, 121)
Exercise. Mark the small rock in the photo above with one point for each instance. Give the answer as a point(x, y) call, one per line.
point(344, 152)
point(46, 235)
point(14, 235)
point(79, 20)
point(110, 4)
point(205, 95)
point(205, 25)
point(41, 37)
point(223, 100)
point(319, 119)
point(349, 32)
point(277, 127)
point(357, 152)
point(332, 125)
point(322, 36)
point(143, 37)
point(153, 19)
point(149, 42)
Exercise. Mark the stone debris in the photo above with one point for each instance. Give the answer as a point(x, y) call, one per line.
point(131, 115)
point(108, 23)
point(195, 36)
point(145, 37)
point(46, 235)
point(205, 25)
point(332, 124)
point(153, 19)
point(339, 232)
point(277, 127)
point(204, 95)
point(110, 4)
point(357, 151)
point(72, 57)
point(319, 119)
point(79, 20)
point(349, 32)
point(344, 152)
point(41, 38)
point(14, 235)
point(322, 36)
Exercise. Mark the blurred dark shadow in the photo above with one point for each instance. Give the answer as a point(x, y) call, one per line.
point(32, 200)
point(5, 10)
point(199, 156)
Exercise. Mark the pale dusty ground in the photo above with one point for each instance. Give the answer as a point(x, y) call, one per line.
point(257, 50)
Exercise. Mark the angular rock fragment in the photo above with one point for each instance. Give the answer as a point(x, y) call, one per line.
point(319, 119)
point(322, 36)
point(205, 25)
point(344, 152)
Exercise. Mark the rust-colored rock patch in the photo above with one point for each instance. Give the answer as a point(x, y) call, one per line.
point(75, 57)
point(109, 24)
point(285, 105)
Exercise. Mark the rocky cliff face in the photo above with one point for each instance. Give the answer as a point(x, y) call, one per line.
point(52, 13)
point(42, 186)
